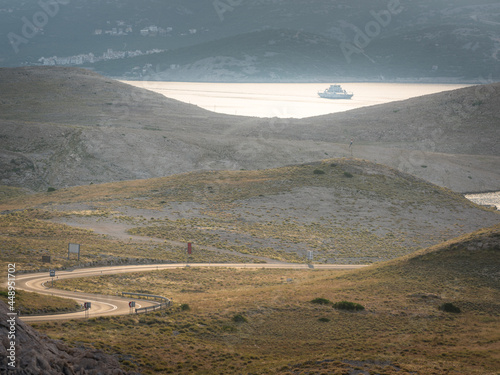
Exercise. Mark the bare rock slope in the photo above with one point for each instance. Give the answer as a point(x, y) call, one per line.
point(37, 354)
point(65, 127)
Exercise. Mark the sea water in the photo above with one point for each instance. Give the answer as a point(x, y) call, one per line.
point(486, 199)
point(286, 100)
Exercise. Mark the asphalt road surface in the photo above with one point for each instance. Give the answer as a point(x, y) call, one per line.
point(114, 305)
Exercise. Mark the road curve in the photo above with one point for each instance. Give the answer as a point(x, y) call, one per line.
point(112, 305)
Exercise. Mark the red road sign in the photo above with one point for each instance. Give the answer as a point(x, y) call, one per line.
point(131, 304)
point(189, 248)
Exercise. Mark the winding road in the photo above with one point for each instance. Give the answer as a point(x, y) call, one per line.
point(106, 305)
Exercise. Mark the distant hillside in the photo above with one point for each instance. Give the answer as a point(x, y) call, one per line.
point(347, 211)
point(290, 55)
point(271, 40)
point(66, 126)
point(261, 56)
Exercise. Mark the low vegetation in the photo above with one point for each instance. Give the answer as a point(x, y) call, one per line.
point(258, 321)
point(238, 216)
point(275, 321)
point(450, 307)
point(346, 305)
point(321, 301)
point(38, 304)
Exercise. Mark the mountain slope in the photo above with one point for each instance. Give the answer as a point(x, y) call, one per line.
point(346, 211)
point(290, 55)
point(66, 126)
point(368, 39)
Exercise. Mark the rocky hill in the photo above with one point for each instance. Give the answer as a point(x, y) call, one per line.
point(346, 211)
point(65, 126)
point(38, 354)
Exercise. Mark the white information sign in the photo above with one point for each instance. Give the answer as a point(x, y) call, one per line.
point(74, 248)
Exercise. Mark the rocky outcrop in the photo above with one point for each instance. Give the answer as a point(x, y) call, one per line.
point(37, 354)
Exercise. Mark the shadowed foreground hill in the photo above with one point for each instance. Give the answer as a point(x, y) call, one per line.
point(65, 126)
point(38, 354)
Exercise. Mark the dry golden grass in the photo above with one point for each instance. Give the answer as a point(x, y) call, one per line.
point(401, 330)
point(35, 304)
point(26, 236)
point(280, 214)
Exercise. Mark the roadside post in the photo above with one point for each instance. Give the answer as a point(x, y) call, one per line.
point(52, 274)
point(86, 307)
point(189, 251)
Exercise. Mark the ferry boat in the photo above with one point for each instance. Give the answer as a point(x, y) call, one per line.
point(335, 92)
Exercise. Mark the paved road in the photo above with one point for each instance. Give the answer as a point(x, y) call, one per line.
point(113, 305)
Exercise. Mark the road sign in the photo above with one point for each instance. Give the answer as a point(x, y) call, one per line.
point(190, 249)
point(131, 304)
point(87, 305)
point(74, 248)
point(52, 273)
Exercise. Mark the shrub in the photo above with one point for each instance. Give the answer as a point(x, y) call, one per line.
point(449, 307)
point(51, 189)
point(324, 320)
point(321, 301)
point(346, 305)
point(348, 175)
point(318, 171)
point(185, 307)
point(239, 318)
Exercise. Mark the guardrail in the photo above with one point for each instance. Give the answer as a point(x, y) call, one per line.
point(166, 302)
point(153, 308)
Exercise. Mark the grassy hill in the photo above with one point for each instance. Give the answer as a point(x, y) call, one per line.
point(265, 321)
point(344, 210)
point(64, 127)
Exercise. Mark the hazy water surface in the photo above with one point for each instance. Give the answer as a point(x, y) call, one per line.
point(486, 199)
point(286, 99)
